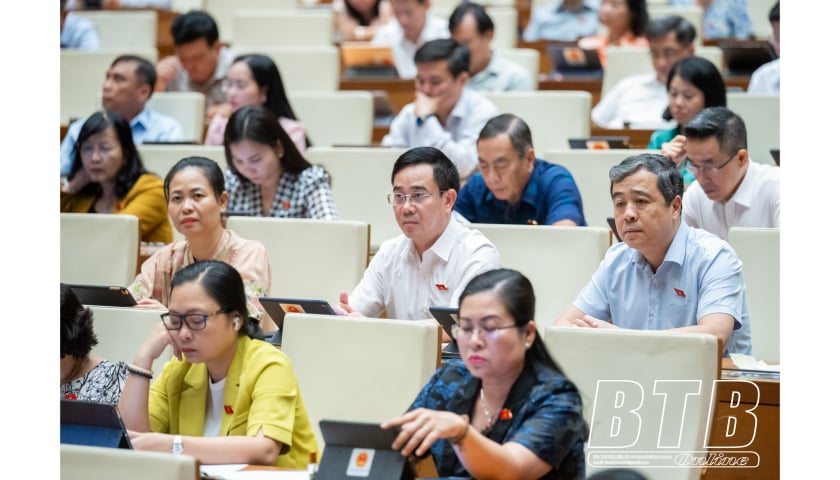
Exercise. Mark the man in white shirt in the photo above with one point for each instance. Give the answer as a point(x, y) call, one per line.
point(470, 25)
point(731, 190)
point(129, 83)
point(412, 26)
point(639, 100)
point(444, 114)
point(431, 263)
point(766, 80)
point(564, 20)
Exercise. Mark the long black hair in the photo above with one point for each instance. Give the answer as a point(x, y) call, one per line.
point(132, 167)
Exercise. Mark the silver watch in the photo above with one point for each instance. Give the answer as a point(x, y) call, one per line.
point(177, 445)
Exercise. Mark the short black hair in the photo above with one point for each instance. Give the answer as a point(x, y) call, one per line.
point(774, 13)
point(483, 21)
point(721, 123)
point(661, 26)
point(77, 336)
point(145, 71)
point(457, 56)
point(669, 179)
point(445, 172)
point(193, 25)
point(514, 127)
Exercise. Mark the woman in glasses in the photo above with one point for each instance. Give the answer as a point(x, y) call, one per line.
point(227, 396)
point(504, 409)
point(107, 176)
point(196, 198)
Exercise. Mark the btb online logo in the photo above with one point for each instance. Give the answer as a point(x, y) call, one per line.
point(632, 428)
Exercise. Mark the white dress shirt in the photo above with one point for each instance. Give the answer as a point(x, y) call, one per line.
point(756, 203)
point(392, 35)
point(404, 285)
point(456, 139)
point(638, 99)
point(501, 75)
point(766, 79)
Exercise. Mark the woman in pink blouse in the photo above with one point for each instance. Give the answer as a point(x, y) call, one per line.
point(255, 80)
point(625, 22)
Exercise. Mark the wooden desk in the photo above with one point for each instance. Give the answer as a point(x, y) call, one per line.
point(766, 442)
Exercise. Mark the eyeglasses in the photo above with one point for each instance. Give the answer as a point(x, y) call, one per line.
point(399, 199)
point(484, 333)
point(89, 150)
point(193, 321)
point(695, 169)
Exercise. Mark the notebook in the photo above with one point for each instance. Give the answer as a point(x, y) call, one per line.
point(92, 424)
point(277, 308)
point(446, 317)
point(103, 295)
point(569, 59)
point(354, 450)
point(363, 60)
point(600, 143)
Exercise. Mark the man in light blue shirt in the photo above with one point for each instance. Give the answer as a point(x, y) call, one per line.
point(129, 83)
point(78, 32)
point(566, 20)
point(665, 275)
point(470, 25)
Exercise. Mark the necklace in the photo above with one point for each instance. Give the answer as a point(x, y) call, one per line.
point(491, 418)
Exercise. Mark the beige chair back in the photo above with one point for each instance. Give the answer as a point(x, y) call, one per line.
point(186, 107)
point(99, 248)
point(559, 261)
point(590, 169)
point(359, 369)
point(121, 29)
point(505, 25)
point(335, 118)
point(624, 377)
point(282, 28)
point(122, 331)
point(350, 167)
point(552, 116)
point(159, 159)
point(304, 69)
point(623, 62)
point(315, 259)
point(80, 462)
point(762, 116)
point(759, 250)
point(224, 12)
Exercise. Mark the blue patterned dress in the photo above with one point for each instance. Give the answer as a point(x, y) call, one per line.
point(546, 417)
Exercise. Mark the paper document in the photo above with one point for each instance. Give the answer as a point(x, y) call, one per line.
point(748, 362)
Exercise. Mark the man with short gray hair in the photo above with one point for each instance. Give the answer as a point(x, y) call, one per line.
point(665, 275)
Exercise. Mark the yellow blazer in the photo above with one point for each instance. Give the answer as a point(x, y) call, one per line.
point(145, 201)
point(261, 391)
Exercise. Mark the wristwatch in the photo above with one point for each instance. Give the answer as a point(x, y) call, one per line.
point(177, 445)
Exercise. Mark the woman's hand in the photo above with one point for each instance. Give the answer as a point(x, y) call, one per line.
point(675, 150)
point(77, 183)
point(420, 428)
point(150, 441)
point(155, 344)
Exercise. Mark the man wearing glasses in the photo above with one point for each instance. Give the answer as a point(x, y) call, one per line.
point(665, 275)
point(731, 190)
point(431, 263)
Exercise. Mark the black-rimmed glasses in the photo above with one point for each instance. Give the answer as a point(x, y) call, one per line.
point(194, 321)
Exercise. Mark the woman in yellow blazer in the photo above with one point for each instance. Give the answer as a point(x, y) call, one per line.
point(108, 176)
point(227, 396)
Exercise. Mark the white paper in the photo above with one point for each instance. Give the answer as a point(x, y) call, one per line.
point(748, 362)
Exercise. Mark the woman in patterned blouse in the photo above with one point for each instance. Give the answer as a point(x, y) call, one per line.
point(85, 376)
point(504, 409)
point(267, 175)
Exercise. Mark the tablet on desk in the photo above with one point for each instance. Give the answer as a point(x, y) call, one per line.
point(277, 308)
point(569, 59)
point(92, 424)
point(600, 143)
point(104, 296)
point(447, 317)
point(363, 60)
point(355, 450)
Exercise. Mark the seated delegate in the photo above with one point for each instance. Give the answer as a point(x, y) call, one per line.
point(504, 409)
point(226, 396)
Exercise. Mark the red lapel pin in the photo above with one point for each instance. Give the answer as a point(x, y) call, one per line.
point(505, 414)
point(679, 292)
point(228, 409)
point(441, 287)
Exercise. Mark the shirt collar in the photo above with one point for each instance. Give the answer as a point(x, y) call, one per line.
point(143, 119)
point(446, 241)
point(676, 250)
point(530, 194)
point(743, 196)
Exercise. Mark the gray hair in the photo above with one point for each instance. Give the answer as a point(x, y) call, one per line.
point(515, 128)
point(669, 179)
